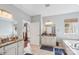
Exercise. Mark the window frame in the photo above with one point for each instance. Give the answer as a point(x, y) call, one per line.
point(73, 24)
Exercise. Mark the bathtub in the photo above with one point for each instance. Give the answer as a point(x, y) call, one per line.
point(67, 45)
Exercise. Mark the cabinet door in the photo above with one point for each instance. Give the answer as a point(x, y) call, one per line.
point(20, 48)
point(44, 41)
point(2, 51)
point(53, 41)
point(49, 41)
point(11, 51)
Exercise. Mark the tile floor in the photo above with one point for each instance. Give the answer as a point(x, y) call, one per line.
point(35, 50)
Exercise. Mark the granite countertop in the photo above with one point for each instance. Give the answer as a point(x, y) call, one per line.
point(49, 35)
point(11, 42)
point(46, 34)
point(69, 44)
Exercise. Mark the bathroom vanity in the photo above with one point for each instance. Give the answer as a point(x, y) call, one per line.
point(48, 37)
point(12, 48)
point(10, 43)
point(48, 41)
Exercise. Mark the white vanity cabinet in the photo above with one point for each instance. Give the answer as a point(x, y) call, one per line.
point(20, 47)
point(15, 48)
point(11, 49)
point(48, 40)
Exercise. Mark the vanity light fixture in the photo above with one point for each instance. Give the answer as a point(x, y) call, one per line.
point(5, 14)
point(49, 23)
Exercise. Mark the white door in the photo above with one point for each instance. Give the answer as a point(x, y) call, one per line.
point(35, 33)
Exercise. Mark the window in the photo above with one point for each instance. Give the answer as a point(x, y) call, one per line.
point(5, 14)
point(71, 25)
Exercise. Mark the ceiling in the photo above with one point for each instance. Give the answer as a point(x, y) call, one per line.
point(53, 9)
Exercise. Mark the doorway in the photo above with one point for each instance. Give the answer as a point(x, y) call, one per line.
point(26, 37)
point(25, 33)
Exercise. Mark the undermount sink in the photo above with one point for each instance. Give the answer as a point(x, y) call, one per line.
point(75, 45)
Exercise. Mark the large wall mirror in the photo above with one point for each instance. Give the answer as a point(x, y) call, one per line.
point(49, 28)
point(7, 28)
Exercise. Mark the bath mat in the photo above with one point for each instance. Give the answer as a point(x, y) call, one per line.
point(47, 48)
point(59, 51)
